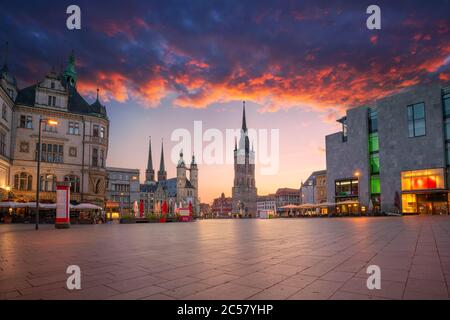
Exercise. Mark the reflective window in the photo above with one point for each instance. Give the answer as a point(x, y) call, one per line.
point(416, 120)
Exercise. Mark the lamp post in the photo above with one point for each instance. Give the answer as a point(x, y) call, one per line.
point(357, 175)
point(49, 122)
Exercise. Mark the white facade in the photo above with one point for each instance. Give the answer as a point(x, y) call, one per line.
point(74, 150)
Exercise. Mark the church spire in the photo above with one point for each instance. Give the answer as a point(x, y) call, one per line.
point(162, 174)
point(244, 122)
point(150, 173)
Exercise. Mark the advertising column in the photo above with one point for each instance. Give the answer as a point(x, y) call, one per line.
point(62, 220)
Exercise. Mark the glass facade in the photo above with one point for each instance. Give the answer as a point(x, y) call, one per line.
point(346, 188)
point(409, 203)
point(375, 185)
point(374, 160)
point(423, 179)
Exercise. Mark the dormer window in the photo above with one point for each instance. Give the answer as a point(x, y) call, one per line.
point(52, 85)
point(51, 101)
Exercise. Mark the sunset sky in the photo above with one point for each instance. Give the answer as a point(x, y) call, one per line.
point(160, 65)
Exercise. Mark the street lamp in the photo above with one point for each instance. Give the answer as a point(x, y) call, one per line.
point(357, 175)
point(52, 123)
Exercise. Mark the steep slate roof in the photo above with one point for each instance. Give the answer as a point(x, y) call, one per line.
point(169, 185)
point(26, 96)
point(77, 104)
point(149, 187)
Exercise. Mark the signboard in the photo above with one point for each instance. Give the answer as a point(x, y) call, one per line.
point(62, 220)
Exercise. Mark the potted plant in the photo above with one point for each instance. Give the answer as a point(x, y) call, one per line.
point(128, 218)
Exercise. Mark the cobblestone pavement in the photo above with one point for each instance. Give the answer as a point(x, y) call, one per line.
point(230, 259)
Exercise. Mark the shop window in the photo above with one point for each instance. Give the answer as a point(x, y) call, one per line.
point(346, 187)
point(409, 203)
point(423, 179)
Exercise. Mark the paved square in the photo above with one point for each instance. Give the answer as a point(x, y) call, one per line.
point(317, 258)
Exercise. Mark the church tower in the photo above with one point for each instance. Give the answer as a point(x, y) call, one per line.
point(244, 191)
point(70, 74)
point(162, 173)
point(150, 173)
point(181, 179)
point(193, 175)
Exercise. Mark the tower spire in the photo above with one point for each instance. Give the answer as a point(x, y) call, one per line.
point(150, 173)
point(162, 174)
point(244, 122)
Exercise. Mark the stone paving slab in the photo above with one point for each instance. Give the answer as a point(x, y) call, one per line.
point(323, 258)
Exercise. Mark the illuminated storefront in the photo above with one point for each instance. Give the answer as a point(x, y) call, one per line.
point(346, 195)
point(423, 192)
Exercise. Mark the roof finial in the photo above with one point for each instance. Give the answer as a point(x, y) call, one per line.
point(244, 122)
point(97, 92)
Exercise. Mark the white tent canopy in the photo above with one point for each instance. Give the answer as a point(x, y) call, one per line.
point(87, 206)
point(81, 206)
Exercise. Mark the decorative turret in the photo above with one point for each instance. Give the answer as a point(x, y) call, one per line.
point(70, 75)
point(149, 173)
point(162, 173)
point(7, 80)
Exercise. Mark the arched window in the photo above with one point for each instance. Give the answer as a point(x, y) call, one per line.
point(23, 181)
point(74, 183)
point(48, 183)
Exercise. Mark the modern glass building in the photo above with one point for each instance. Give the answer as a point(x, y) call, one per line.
point(393, 155)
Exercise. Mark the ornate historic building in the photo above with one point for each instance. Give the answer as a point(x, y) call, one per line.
point(177, 192)
point(222, 207)
point(74, 150)
point(244, 191)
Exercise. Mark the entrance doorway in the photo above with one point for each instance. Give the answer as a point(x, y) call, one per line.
point(433, 204)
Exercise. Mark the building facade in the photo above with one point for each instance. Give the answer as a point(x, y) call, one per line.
point(244, 191)
point(314, 189)
point(74, 150)
point(178, 192)
point(123, 188)
point(267, 202)
point(287, 196)
point(222, 207)
point(393, 154)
